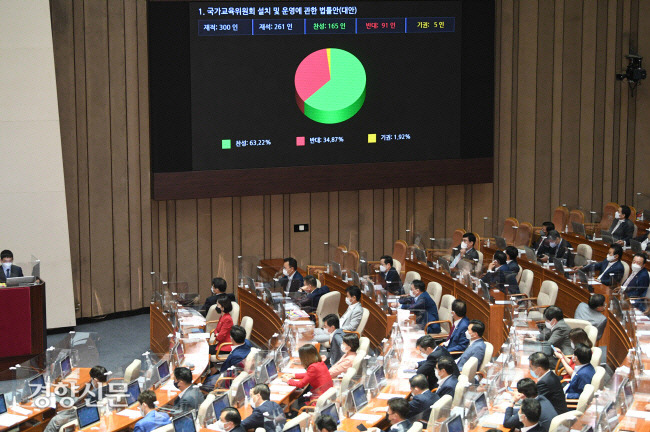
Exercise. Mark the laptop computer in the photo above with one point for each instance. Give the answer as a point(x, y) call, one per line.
point(3, 404)
point(248, 384)
point(87, 415)
point(452, 424)
point(132, 392)
point(636, 246)
point(501, 242)
point(185, 423)
point(163, 370)
point(607, 238)
point(219, 404)
point(271, 369)
point(359, 397)
point(66, 367)
point(34, 387)
point(331, 411)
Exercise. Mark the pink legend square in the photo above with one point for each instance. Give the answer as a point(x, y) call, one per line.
point(300, 141)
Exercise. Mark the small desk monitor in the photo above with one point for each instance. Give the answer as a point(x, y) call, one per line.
point(359, 397)
point(185, 423)
point(636, 246)
point(35, 387)
point(163, 370)
point(3, 404)
point(87, 415)
point(66, 367)
point(21, 280)
point(247, 385)
point(180, 351)
point(379, 374)
point(132, 392)
point(271, 369)
point(452, 424)
point(219, 404)
point(331, 411)
point(480, 405)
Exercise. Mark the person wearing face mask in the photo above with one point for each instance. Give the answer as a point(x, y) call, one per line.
point(151, 419)
point(8, 267)
point(230, 420)
point(446, 379)
point(420, 403)
point(333, 334)
point(583, 372)
point(644, 239)
point(349, 347)
point(309, 303)
point(430, 349)
point(457, 339)
point(390, 276)
point(511, 259)
point(352, 317)
point(221, 333)
point(476, 346)
point(217, 290)
point(190, 396)
point(636, 285)
point(593, 312)
point(423, 306)
point(465, 250)
point(548, 384)
point(547, 227)
point(526, 388)
point(622, 228)
point(500, 275)
point(397, 414)
point(611, 270)
point(291, 279)
point(556, 331)
point(554, 247)
point(529, 415)
point(577, 336)
point(266, 413)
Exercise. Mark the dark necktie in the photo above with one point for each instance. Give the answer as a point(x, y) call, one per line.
point(9, 272)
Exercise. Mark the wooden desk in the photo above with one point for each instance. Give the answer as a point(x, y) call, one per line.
point(599, 249)
point(265, 321)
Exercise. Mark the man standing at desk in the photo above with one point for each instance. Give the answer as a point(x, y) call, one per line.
point(423, 306)
point(390, 275)
point(218, 290)
point(9, 270)
point(151, 419)
point(611, 270)
point(291, 280)
point(465, 250)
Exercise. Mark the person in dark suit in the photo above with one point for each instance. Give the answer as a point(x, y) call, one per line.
point(476, 346)
point(498, 272)
point(151, 419)
point(526, 388)
point(397, 414)
point(643, 239)
point(457, 340)
point(231, 420)
point(291, 279)
point(636, 285)
point(622, 228)
point(529, 415)
point(446, 379)
point(331, 326)
point(428, 347)
point(512, 253)
point(218, 290)
point(390, 275)
point(421, 302)
point(423, 398)
point(8, 267)
point(611, 270)
point(556, 331)
point(582, 373)
point(554, 247)
point(547, 227)
point(548, 384)
point(465, 250)
point(309, 303)
point(266, 413)
point(241, 347)
point(190, 397)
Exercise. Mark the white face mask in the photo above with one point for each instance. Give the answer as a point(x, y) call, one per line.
point(552, 244)
point(617, 215)
point(253, 405)
point(142, 413)
point(611, 258)
point(348, 301)
point(6, 265)
point(463, 245)
point(573, 346)
point(382, 268)
point(548, 325)
point(414, 293)
point(219, 425)
point(468, 335)
point(636, 268)
point(344, 348)
point(437, 374)
point(285, 272)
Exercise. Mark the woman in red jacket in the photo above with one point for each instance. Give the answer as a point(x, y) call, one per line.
point(222, 332)
point(317, 375)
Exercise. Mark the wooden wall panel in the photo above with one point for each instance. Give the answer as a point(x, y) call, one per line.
point(565, 132)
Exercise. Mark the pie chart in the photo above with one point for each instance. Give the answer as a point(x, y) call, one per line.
point(330, 85)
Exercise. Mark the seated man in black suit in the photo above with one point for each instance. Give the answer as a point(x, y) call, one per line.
point(548, 384)
point(218, 290)
point(231, 420)
point(643, 239)
point(390, 275)
point(555, 247)
point(622, 228)
point(465, 250)
point(547, 227)
point(190, 396)
point(526, 388)
point(497, 274)
point(529, 415)
point(428, 347)
point(310, 302)
point(611, 270)
point(8, 267)
point(266, 413)
point(446, 379)
point(512, 253)
point(291, 279)
point(397, 414)
point(423, 398)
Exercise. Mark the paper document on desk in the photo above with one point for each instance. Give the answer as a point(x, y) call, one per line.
point(169, 385)
point(638, 414)
point(494, 420)
point(7, 419)
point(130, 413)
point(366, 418)
point(275, 397)
point(387, 396)
point(643, 332)
point(198, 335)
point(294, 371)
point(21, 410)
point(281, 388)
point(593, 282)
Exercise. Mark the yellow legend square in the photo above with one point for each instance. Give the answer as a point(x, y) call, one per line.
point(372, 138)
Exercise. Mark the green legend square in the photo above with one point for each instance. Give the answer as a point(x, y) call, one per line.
point(225, 144)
